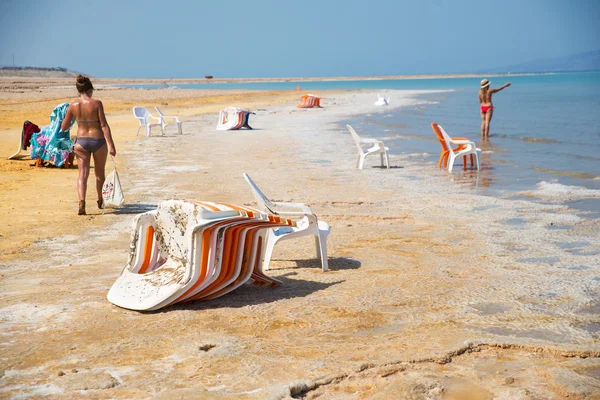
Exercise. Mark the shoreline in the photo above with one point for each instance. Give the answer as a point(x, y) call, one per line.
point(412, 278)
point(32, 81)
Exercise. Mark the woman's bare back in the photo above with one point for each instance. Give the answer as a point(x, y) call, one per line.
point(87, 114)
point(485, 97)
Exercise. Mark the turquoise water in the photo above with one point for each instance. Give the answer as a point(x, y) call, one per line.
point(544, 128)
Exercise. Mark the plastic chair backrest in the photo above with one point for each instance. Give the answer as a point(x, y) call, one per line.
point(263, 202)
point(446, 137)
point(158, 111)
point(439, 132)
point(355, 137)
point(141, 112)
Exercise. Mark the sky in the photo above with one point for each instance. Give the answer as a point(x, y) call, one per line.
point(279, 38)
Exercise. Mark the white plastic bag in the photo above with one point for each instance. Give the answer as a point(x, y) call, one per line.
point(112, 194)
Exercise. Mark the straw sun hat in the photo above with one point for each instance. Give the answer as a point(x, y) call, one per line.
point(485, 83)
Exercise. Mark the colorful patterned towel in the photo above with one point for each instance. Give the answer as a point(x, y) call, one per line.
point(51, 143)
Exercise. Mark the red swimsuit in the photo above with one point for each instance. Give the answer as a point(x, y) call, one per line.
point(485, 109)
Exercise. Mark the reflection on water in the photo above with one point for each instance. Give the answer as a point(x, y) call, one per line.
point(572, 245)
point(581, 252)
point(590, 204)
point(519, 222)
point(557, 227)
point(580, 175)
point(577, 268)
point(487, 207)
point(548, 260)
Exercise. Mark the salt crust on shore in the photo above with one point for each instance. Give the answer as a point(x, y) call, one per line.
point(434, 292)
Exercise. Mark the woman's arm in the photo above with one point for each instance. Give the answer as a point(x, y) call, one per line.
point(507, 84)
point(66, 124)
point(106, 130)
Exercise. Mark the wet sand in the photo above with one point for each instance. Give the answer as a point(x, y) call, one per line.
point(433, 292)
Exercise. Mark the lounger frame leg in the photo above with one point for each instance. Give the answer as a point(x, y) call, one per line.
point(361, 162)
point(322, 250)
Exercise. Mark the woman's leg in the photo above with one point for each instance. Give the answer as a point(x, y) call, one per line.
point(488, 121)
point(83, 163)
point(99, 164)
point(482, 114)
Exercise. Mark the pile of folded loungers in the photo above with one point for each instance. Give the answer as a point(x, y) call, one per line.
point(309, 101)
point(233, 118)
point(199, 250)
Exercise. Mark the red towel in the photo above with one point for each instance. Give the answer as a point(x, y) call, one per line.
point(29, 128)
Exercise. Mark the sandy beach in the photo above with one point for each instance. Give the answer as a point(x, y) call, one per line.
point(433, 292)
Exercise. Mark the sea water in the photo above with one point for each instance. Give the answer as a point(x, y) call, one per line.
point(545, 127)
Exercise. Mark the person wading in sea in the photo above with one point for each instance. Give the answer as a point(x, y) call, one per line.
point(487, 108)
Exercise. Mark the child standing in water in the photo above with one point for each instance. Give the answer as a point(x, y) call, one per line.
point(487, 108)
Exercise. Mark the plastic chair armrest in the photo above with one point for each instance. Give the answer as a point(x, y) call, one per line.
point(462, 141)
point(309, 215)
point(369, 141)
point(300, 206)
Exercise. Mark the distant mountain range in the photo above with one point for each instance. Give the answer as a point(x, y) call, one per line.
point(588, 61)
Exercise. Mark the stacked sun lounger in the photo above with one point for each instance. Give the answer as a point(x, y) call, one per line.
point(309, 101)
point(191, 250)
point(233, 118)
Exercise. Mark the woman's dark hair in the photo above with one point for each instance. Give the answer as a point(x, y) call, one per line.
point(83, 84)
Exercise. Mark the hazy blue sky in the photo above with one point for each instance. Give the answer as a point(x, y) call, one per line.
point(261, 38)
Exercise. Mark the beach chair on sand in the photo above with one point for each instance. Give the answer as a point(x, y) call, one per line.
point(185, 251)
point(309, 101)
point(382, 101)
point(306, 224)
point(145, 118)
point(452, 148)
point(233, 118)
point(29, 128)
point(164, 117)
point(377, 147)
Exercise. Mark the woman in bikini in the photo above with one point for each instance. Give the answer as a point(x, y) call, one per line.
point(487, 109)
point(93, 138)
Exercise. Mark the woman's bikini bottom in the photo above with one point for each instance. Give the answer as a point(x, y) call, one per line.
point(91, 145)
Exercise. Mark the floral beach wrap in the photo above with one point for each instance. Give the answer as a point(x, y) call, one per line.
point(51, 143)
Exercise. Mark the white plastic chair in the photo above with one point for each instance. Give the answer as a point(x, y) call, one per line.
point(382, 101)
point(144, 116)
point(458, 148)
point(164, 117)
point(308, 224)
point(18, 153)
point(21, 142)
point(377, 147)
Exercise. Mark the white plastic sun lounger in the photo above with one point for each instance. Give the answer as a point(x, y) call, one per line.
point(187, 251)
